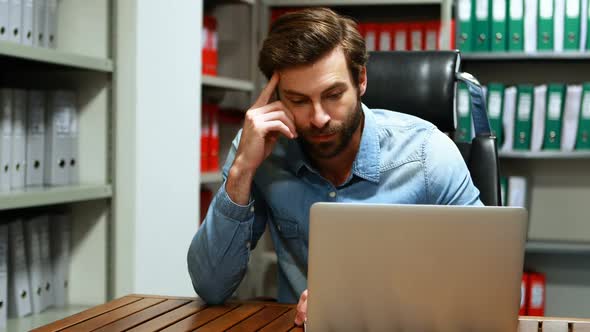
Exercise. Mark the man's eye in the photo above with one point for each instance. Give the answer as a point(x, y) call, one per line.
point(335, 95)
point(298, 102)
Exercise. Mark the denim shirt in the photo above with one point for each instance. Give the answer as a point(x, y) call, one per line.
point(401, 159)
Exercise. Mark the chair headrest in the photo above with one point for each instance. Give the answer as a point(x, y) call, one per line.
point(417, 83)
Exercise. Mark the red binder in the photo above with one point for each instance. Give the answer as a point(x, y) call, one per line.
point(524, 294)
point(536, 296)
point(416, 36)
point(204, 138)
point(213, 138)
point(209, 46)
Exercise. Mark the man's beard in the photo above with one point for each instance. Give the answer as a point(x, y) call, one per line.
point(344, 133)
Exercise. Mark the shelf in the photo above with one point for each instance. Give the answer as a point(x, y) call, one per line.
point(541, 56)
point(50, 315)
point(33, 197)
point(549, 247)
point(299, 3)
point(13, 51)
point(228, 83)
point(211, 177)
point(544, 155)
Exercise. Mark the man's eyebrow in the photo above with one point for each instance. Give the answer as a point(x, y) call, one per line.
point(330, 88)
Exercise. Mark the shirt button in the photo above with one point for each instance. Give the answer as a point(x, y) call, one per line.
point(332, 194)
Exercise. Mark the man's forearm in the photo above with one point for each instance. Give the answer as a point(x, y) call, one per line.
point(239, 183)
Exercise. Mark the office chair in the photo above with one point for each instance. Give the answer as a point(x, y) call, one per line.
point(423, 84)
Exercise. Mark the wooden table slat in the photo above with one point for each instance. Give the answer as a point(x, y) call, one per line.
point(143, 316)
point(87, 314)
point(170, 317)
point(113, 315)
point(231, 318)
point(284, 323)
point(200, 318)
point(259, 319)
point(297, 329)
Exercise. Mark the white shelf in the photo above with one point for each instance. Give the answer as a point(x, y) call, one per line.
point(545, 155)
point(298, 3)
point(54, 57)
point(540, 56)
point(228, 83)
point(211, 177)
point(549, 247)
point(50, 315)
point(33, 197)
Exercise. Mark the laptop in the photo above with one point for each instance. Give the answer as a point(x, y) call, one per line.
point(378, 267)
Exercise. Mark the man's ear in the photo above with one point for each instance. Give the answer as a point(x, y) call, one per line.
point(363, 80)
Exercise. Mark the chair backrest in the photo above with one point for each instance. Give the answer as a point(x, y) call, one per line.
point(424, 84)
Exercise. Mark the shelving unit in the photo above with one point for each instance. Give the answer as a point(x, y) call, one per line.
point(513, 56)
point(211, 178)
point(227, 83)
point(562, 155)
point(36, 197)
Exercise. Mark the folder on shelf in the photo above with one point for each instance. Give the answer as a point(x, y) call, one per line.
point(517, 191)
point(416, 36)
point(213, 137)
point(19, 139)
point(463, 133)
point(14, 20)
point(523, 117)
point(508, 118)
point(57, 137)
point(584, 16)
point(5, 139)
point(499, 26)
point(73, 163)
point(35, 139)
point(539, 115)
point(385, 37)
point(39, 8)
point(465, 26)
point(516, 26)
point(48, 298)
point(50, 24)
point(536, 296)
point(545, 38)
point(572, 25)
point(524, 285)
point(3, 274)
point(558, 25)
point(33, 253)
point(495, 104)
point(400, 37)
point(481, 26)
point(504, 190)
point(205, 137)
point(19, 301)
point(4, 15)
point(571, 115)
point(530, 25)
point(28, 15)
point(60, 226)
point(553, 121)
point(431, 35)
point(583, 132)
point(370, 32)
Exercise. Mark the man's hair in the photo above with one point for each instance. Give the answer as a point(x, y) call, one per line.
point(303, 37)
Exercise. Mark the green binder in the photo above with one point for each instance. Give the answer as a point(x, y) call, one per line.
point(571, 29)
point(523, 118)
point(504, 190)
point(516, 26)
point(463, 133)
point(495, 103)
point(583, 136)
point(481, 25)
point(553, 117)
point(464, 38)
point(499, 26)
point(545, 25)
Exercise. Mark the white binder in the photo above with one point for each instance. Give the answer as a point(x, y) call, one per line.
point(3, 274)
point(14, 20)
point(27, 19)
point(33, 252)
point(19, 301)
point(50, 24)
point(46, 269)
point(539, 114)
point(530, 26)
point(19, 139)
point(4, 14)
point(60, 256)
point(571, 116)
point(39, 14)
point(508, 117)
point(35, 139)
point(5, 138)
point(57, 137)
point(517, 191)
point(73, 163)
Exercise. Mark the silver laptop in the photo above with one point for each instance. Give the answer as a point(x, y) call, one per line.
point(377, 267)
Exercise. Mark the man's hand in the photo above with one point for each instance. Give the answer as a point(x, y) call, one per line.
point(301, 316)
point(263, 124)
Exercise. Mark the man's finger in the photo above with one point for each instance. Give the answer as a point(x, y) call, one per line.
point(267, 92)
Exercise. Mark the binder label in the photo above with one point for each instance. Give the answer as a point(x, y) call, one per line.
point(537, 295)
point(546, 9)
point(499, 10)
point(572, 8)
point(481, 9)
point(6, 121)
point(495, 104)
point(464, 10)
point(400, 41)
point(516, 9)
point(586, 105)
point(62, 122)
point(416, 40)
point(385, 41)
point(524, 107)
point(463, 103)
point(554, 106)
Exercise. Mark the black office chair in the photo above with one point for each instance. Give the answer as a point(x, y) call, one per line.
point(424, 84)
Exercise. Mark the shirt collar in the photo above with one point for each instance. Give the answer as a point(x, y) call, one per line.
point(366, 162)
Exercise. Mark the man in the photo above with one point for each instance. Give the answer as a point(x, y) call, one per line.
point(317, 142)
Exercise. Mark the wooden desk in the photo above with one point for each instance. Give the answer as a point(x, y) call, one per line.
point(155, 313)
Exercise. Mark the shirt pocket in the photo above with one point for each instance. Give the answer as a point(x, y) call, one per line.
point(288, 229)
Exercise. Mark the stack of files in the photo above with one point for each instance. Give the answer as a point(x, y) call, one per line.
point(29, 22)
point(401, 36)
